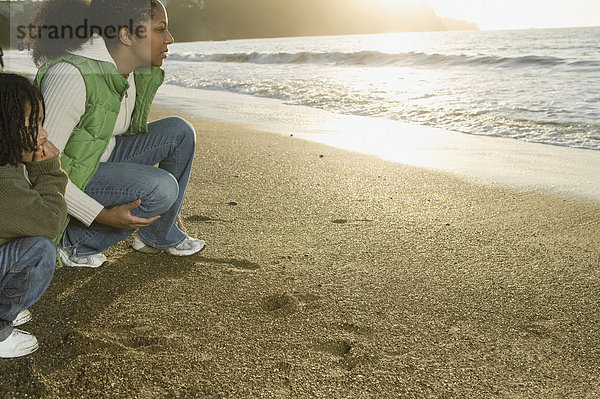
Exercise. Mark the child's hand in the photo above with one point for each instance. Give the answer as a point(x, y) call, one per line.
point(46, 151)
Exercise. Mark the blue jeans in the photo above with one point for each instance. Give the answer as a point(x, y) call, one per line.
point(26, 269)
point(128, 175)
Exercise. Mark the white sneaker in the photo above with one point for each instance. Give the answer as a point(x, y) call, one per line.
point(23, 317)
point(83, 261)
point(141, 246)
point(19, 343)
point(188, 247)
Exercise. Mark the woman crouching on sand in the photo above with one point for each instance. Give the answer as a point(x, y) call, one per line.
point(98, 91)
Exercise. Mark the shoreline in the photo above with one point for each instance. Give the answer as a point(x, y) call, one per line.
point(559, 170)
point(337, 274)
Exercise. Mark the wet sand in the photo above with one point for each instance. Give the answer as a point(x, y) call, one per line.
point(331, 274)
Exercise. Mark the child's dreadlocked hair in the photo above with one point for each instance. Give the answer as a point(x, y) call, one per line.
point(19, 101)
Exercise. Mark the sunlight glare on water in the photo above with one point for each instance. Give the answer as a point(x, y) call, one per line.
point(538, 86)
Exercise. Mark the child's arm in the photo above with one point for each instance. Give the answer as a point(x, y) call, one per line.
point(37, 211)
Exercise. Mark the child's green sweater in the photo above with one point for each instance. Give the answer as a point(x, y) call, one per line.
point(36, 210)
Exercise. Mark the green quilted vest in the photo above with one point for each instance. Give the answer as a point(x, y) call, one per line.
point(105, 89)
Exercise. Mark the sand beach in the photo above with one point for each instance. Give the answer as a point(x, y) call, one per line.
point(331, 274)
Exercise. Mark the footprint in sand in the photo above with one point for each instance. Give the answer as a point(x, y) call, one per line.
point(349, 347)
point(542, 328)
point(337, 347)
point(349, 356)
point(140, 338)
point(237, 264)
point(353, 328)
point(243, 264)
point(345, 221)
point(202, 219)
point(287, 303)
point(141, 342)
point(280, 303)
point(283, 367)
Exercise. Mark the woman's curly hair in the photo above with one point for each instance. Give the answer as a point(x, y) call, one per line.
point(69, 15)
point(20, 102)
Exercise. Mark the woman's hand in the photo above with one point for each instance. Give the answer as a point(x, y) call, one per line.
point(180, 225)
point(121, 217)
point(46, 151)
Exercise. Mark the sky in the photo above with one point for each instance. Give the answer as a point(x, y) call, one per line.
point(518, 14)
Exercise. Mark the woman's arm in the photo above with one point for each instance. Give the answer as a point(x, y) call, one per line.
point(64, 92)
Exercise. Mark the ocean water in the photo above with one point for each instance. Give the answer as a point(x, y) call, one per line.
point(533, 85)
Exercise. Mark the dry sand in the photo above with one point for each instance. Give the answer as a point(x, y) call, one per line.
point(336, 275)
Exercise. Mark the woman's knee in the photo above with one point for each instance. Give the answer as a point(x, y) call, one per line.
point(185, 129)
point(162, 194)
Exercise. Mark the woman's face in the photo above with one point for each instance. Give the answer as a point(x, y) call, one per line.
point(152, 48)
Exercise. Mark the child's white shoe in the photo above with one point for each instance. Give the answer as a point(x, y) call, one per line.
point(19, 343)
point(23, 317)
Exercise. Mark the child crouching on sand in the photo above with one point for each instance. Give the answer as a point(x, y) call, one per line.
point(32, 210)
